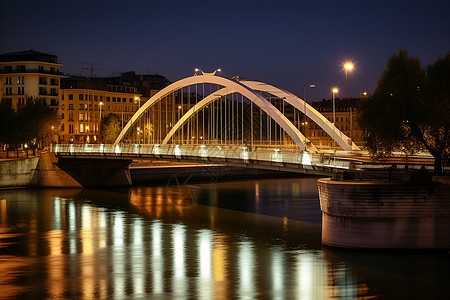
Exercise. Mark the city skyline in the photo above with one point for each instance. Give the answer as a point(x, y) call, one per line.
point(287, 44)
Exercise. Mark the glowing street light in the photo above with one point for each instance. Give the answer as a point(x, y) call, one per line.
point(204, 73)
point(334, 91)
point(347, 67)
point(100, 107)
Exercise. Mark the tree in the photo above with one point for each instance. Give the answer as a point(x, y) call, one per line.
point(110, 128)
point(410, 109)
point(32, 121)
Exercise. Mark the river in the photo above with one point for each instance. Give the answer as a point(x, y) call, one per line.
point(249, 239)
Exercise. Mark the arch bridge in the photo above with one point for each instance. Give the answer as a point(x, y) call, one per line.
point(208, 118)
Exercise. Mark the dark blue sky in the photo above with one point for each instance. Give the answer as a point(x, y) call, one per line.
point(285, 43)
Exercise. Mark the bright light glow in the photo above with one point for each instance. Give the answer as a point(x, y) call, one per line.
point(157, 258)
point(177, 150)
point(156, 150)
point(179, 106)
point(306, 158)
point(204, 244)
point(246, 270)
point(348, 66)
point(335, 90)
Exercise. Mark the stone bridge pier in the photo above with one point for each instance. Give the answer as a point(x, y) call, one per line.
point(97, 172)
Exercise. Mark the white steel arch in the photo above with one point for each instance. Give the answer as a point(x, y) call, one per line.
point(344, 141)
point(211, 98)
point(236, 87)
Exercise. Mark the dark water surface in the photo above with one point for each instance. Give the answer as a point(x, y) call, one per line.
point(247, 239)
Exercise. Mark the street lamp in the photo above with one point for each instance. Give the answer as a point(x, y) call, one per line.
point(204, 73)
point(139, 102)
point(304, 104)
point(347, 67)
point(100, 107)
point(334, 91)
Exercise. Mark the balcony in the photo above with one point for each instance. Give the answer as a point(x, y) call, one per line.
point(37, 71)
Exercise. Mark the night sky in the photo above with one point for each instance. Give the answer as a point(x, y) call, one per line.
point(284, 43)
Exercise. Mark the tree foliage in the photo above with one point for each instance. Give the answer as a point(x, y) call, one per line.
point(33, 121)
point(110, 128)
point(410, 109)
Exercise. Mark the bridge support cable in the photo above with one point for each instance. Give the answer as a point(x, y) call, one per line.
point(340, 138)
point(235, 113)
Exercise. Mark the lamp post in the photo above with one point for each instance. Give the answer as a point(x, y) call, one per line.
point(347, 67)
point(204, 73)
point(304, 105)
point(138, 100)
point(100, 120)
point(334, 91)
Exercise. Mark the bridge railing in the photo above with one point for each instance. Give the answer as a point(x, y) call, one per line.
point(244, 154)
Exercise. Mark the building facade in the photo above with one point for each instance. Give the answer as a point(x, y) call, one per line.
point(346, 113)
point(85, 102)
point(30, 74)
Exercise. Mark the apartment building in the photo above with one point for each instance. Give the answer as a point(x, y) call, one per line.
point(346, 112)
point(30, 74)
point(84, 102)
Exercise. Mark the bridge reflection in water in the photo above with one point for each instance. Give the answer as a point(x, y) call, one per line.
point(242, 239)
point(150, 243)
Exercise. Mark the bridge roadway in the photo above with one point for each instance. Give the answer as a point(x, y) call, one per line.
point(284, 158)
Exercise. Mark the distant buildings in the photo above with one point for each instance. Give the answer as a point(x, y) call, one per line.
point(85, 101)
point(346, 112)
point(30, 74)
point(81, 102)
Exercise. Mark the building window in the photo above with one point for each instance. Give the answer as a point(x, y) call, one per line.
point(81, 128)
point(80, 117)
point(131, 100)
point(114, 99)
point(62, 126)
point(70, 116)
point(81, 107)
point(70, 96)
point(70, 128)
point(80, 97)
point(20, 80)
point(20, 90)
point(70, 106)
point(108, 99)
point(95, 98)
point(62, 116)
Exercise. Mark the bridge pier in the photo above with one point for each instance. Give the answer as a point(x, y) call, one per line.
point(97, 172)
point(381, 214)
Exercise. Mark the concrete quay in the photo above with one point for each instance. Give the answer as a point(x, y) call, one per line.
point(385, 215)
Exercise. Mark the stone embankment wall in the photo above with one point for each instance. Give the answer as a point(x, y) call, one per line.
point(378, 214)
point(18, 172)
point(37, 171)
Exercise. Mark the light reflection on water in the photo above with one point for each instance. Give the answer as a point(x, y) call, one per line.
point(150, 243)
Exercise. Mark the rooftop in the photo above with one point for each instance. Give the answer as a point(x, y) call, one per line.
point(28, 55)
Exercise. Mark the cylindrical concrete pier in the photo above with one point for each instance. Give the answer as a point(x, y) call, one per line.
point(378, 214)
